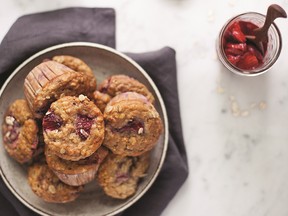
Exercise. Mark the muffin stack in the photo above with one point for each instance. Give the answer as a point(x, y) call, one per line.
point(81, 132)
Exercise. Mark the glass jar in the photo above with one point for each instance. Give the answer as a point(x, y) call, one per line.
point(272, 53)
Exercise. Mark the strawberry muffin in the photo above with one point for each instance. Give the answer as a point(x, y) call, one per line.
point(19, 130)
point(101, 100)
point(45, 184)
point(76, 173)
point(73, 128)
point(119, 176)
point(77, 65)
point(49, 81)
point(118, 84)
point(132, 124)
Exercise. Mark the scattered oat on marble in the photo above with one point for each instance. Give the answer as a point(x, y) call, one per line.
point(220, 89)
point(245, 113)
point(262, 105)
point(235, 107)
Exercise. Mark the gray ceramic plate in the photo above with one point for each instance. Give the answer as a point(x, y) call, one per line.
point(104, 61)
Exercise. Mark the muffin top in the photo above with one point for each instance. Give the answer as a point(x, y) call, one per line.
point(47, 185)
point(133, 126)
point(101, 100)
point(73, 127)
point(118, 84)
point(118, 175)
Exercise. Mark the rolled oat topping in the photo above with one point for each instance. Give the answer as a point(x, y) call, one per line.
point(73, 128)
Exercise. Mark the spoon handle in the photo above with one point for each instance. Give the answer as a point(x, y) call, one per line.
point(274, 11)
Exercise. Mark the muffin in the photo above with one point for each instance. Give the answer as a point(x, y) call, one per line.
point(19, 131)
point(118, 84)
point(77, 65)
point(119, 176)
point(74, 63)
point(49, 81)
point(39, 152)
point(101, 100)
point(73, 128)
point(132, 124)
point(45, 184)
point(76, 173)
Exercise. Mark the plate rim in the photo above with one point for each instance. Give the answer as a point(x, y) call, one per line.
point(147, 77)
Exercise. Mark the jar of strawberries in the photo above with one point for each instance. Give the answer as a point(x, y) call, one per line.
point(239, 53)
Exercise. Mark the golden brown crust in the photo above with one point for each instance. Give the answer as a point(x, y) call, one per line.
point(45, 184)
point(133, 126)
point(76, 172)
point(80, 131)
point(118, 84)
point(49, 81)
point(119, 176)
point(74, 63)
point(101, 100)
point(19, 131)
point(77, 65)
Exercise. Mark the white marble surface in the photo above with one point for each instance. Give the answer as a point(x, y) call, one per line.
point(238, 164)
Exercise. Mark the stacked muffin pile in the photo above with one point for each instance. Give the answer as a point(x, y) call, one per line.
point(70, 133)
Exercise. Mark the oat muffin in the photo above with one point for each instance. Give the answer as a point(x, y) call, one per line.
point(45, 184)
point(118, 84)
point(74, 63)
point(132, 124)
point(39, 152)
point(119, 176)
point(77, 65)
point(19, 131)
point(76, 173)
point(73, 127)
point(101, 100)
point(49, 81)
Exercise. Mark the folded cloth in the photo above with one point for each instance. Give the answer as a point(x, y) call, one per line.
point(161, 66)
point(32, 33)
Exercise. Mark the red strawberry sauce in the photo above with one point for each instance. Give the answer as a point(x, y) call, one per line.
point(239, 51)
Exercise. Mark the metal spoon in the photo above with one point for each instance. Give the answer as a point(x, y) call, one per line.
point(261, 34)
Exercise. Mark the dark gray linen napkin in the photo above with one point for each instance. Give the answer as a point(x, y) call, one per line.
point(32, 33)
